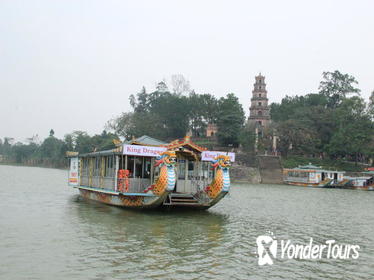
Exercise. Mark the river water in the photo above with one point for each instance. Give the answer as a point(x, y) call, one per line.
point(48, 232)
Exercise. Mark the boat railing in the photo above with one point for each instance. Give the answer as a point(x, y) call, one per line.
point(297, 179)
point(97, 182)
point(200, 183)
point(133, 185)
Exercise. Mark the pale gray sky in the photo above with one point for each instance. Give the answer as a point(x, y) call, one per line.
point(71, 65)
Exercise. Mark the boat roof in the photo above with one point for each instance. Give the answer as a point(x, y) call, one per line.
point(310, 167)
point(358, 178)
point(185, 142)
point(146, 141)
point(102, 153)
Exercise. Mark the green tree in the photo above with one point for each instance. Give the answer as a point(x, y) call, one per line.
point(354, 130)
point(22, 152)
point(51, 148)
point(82, 141)
point(371, 105)
point(294, 137)
point(337, 86)
point(230, 120)
point(123, 125)
point(247, 138)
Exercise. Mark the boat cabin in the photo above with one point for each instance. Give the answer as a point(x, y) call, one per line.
point(311, 174)
point(136, 158)
point(361, 182)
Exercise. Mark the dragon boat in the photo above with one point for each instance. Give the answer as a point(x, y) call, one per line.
point(148, 173)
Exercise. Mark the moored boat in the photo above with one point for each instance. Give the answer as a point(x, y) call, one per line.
point(148, 173)
point(314, 176)
point(365, 183)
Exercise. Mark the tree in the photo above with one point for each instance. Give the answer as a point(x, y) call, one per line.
point(180, 85)
point(337, 86)
point(354, 130)
point(247, 138)
point(295, 137)
point(140, 103)
point(51, 133)
point(203, 109)
point(82, 142)
point(103, 141)
point(122, 125)
point(371, 105)
point(22, 152)
point(230, 120)
point(51, 148)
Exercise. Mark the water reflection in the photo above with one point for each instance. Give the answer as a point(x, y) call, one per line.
point(148, 241)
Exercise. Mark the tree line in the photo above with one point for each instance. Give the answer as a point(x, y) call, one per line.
point(51, 152)
point(334, 123)
point(169, 115)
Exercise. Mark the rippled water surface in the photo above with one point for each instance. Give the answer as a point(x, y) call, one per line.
point(48, 232)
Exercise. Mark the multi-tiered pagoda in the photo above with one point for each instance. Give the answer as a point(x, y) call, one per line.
point(259, 111)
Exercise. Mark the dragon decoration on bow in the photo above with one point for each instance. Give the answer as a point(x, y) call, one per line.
point(166, 180)
point(221, 182)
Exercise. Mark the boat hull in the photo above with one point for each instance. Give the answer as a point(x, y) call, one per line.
point(134, 201)
point(304, 184)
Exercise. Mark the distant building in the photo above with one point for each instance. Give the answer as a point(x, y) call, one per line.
point(211, 130)
point(259, 112)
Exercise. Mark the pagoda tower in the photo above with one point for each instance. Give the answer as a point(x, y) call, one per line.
point(259, 112)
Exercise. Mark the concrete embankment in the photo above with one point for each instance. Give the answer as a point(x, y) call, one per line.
point(270, 169)
point(263, 169)
point(245, 174)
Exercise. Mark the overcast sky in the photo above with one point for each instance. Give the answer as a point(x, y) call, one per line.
point(71, 65)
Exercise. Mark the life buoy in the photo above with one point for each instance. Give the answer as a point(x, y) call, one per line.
point(121, 176)
point(126, 179)
point(123, 183)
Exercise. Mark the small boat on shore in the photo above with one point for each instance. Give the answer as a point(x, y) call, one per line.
point(314, 176)
point(148, 173)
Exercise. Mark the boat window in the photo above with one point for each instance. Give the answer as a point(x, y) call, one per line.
point(108, 166)
point(121, 162)
point(138, 167)
point(156, 173)
point(181, 169)
point(147, 167)
point(97, 167)
point(207, 170)
point(105, 164)
point(130, 166)
point(298, 174)
point(191, 165)
point(85, 167)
